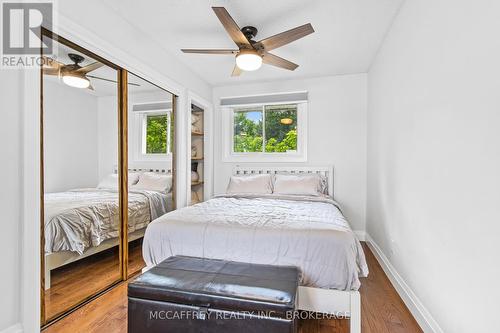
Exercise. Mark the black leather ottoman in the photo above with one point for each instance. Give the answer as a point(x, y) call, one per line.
point(186, 294)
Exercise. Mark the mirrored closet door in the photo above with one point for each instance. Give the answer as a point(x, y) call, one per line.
point(107, 171)
point(151, 135)
point(81, 193)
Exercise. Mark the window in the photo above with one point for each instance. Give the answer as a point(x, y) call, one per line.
point(156, 133)
point(268, 132)
point(267, 129)
point(247, 135)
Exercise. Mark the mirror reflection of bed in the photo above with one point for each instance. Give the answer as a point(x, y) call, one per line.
point(81, 191)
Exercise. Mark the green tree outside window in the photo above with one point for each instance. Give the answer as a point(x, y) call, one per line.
point(280, 128)
point(156, 134)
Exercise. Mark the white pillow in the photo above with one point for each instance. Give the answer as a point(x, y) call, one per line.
point(297, 184)
point(323, 181)
point(259, 184)
point(111, 181)
point(154, 182)
point(133, 178)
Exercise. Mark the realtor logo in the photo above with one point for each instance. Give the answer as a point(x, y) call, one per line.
point(22, 38)
point(21, 27)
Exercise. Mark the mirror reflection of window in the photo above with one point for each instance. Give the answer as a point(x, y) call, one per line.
point(150, 161)
point(81, 192)
point(155, 138)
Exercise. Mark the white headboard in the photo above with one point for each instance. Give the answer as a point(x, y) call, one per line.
point(145, 168)
point(326, 171)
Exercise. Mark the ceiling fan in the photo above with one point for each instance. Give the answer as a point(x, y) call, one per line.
point(74, 75)
point(251, 54)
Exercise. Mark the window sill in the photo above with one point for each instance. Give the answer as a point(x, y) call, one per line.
point(261, 157)
point(153, 158)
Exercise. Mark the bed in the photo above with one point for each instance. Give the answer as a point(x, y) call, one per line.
point(82, 222)
point(309, 232)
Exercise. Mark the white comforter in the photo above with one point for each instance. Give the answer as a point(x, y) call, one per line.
point(308, 232)
point(78, 219)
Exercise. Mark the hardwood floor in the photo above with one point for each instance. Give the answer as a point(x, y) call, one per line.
point(75, 282)
point(382, 310)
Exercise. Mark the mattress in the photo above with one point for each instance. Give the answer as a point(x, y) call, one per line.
point(310, 233)
point(82, 218)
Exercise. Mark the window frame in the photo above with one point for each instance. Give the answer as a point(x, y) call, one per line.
point(228, 136)
point(141, 119)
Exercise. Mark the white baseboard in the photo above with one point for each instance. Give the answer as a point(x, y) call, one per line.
point(417, 309)
point(16, 328)
point(361, 234)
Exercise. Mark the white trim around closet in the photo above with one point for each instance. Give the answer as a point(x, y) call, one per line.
point(30, 213)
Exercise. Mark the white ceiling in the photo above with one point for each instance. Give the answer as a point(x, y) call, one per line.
point(347, 34)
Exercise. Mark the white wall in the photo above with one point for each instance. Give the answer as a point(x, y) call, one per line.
point(70, 138)
point(434, 158)
point(10, 195)
point(107, 135)
point(336, 134)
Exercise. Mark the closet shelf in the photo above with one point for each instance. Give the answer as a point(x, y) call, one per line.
point(197, 162)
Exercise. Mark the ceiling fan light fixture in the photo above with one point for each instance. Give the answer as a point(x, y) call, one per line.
point(248, 60)
point(75, 80)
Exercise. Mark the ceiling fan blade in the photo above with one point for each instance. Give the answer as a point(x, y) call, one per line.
point(49, 62)
point(108, 80)
point(236, 71)
point(90, 68)
point(210, 51)
point(274, 60)
point(231, 27)
point(286, 37)
point(51, 66)
point(50, 71)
